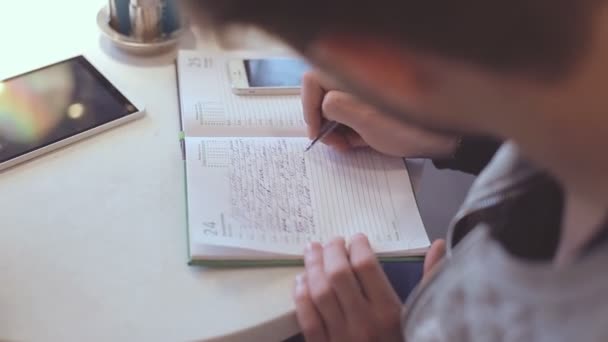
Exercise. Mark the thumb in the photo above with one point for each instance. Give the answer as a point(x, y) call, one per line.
point(435, 253)
point(345, 109)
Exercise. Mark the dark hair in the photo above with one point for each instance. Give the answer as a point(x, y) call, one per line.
point(543, 37)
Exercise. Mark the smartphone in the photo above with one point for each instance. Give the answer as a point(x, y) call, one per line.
point(274, 76)
point(51, 107)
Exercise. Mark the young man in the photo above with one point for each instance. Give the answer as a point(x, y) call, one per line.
point(526, 255)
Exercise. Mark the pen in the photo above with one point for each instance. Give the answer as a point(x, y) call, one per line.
point(327, 128)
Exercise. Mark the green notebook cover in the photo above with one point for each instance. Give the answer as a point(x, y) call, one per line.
point(278, 262)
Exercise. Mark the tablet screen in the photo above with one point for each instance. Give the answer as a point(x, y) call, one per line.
point(48, 105)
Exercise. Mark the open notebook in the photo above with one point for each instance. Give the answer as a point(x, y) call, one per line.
point(255, 198)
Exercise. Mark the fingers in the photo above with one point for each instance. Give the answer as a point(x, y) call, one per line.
point(354, 140)
point(366, 125)
point(312, 99)
point(347, 110)
point(309, 318)
point(344, 139)
point(370, 274)
point(336, 140)
point(434, 255)
point(343, 281)
point(322, 293)
point(331, 301)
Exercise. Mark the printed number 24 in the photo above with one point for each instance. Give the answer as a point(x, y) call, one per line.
point(210, 228)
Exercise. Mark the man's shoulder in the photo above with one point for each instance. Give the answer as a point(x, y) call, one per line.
point(483, 289)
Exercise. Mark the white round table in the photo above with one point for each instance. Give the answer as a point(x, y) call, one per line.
point(93, 237)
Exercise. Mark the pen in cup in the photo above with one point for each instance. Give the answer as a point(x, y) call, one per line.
point(327, 128)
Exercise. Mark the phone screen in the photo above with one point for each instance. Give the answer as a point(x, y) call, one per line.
point(279, 72)
point(53, 103)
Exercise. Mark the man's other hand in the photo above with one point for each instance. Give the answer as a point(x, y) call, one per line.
point(344, 295)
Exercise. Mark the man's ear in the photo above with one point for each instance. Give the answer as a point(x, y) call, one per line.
point(373, 64)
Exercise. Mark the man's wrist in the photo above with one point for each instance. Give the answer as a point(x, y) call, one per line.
point(470, 154)
point(448, 151)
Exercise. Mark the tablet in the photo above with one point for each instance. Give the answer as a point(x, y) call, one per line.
point(51, 107)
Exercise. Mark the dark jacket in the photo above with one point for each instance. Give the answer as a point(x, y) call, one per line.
point(527, 219)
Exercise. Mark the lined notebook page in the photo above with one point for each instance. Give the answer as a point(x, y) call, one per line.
point(267, 194)
point(210, 108)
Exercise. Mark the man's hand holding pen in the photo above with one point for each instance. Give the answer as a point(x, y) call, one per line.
point(342, 121)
